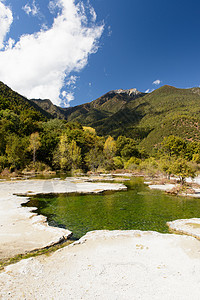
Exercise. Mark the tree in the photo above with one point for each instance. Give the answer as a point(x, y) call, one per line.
point(150, 166)
point(120, 143)
point(126, 147)
point(89, 129)
point(61, 156)
point(16, 148)
point(196, 158)
point(182, 169)
point(118, 162)
point(29, 121)
point(129, 151)
point(2, 141)
point(67, 155)
point(95, 157)
point(109, 152)
point(75, 153)
point(110, 147)
point(165, 164)
point(3, 162)
point(133, 163)
point(173, 146)
point(50, 137)
point(9, 121)
point(34, 144)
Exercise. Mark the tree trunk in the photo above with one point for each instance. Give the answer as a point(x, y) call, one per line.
point(34, 150)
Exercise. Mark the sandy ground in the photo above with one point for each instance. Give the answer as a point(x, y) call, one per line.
point(21, 230)
point(113, 265)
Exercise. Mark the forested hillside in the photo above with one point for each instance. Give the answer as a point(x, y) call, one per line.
point(147, 118)
point(150, 118)
point(89, 113)
point(156, 132)
point(18, 104)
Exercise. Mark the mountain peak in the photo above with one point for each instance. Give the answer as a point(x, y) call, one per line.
point(129, 92)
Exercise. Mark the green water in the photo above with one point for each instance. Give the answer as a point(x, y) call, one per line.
point(138, 208)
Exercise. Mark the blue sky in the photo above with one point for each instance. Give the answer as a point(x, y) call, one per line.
point(74, 52)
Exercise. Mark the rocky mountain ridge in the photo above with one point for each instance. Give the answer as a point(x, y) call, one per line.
point(129, 92)
point(100, 108)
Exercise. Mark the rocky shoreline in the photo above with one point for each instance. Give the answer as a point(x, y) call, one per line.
point(110, 265)
point(191, 189)
point(22, 230)
point(117, 265)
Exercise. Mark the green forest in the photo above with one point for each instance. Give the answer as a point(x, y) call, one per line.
point(32, 140)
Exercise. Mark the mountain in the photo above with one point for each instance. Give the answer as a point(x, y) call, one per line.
point(147, 118)
point(47, 106)
point(13, 101)
point(170, 110)
point(97, 110)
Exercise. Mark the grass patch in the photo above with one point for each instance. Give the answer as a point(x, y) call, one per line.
point(45, 251)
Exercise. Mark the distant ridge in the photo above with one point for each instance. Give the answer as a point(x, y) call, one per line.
point(98, 109)
point(48, 106)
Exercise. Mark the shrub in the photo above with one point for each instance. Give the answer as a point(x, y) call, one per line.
point(118, 162)
point(132, 163)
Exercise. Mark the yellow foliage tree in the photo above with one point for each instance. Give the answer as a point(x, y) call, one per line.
point(68, 155)
point(90, 129)
point(75, 154)
point(110, 147)
point(34, 144)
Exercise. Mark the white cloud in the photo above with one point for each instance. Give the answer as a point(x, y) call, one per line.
point(157, 82)
point(9, 44)
point(71, 86)
point(6, 19)
point(53, 6)
point(39, 64)
point(68, 97)
point(93, 14)
point(109, 31)
point(31, 9)
point(72, 80)
point(27, 9)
